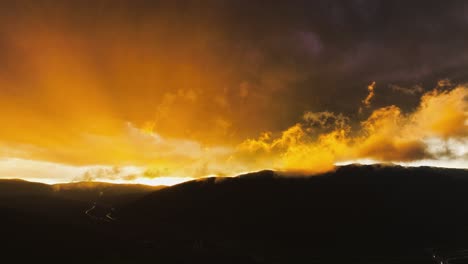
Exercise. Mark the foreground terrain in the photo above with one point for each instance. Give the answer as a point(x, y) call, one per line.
point(356, 214)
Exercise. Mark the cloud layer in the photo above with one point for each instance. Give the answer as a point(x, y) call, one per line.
point(433, 133)
point(387, 135)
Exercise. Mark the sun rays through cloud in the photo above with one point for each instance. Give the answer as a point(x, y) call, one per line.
point(123, 93)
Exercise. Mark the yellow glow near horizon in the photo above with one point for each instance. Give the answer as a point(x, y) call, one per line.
point(159, 181)
point(162, 181)
point(54, 173)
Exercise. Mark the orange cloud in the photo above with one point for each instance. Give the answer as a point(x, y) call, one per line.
point(388, 135)
point(443, 113)
point(300, 148)
point(313, 145)
point(370, 88)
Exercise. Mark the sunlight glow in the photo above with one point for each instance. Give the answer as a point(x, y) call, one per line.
point(158, 181)
point(434, 134)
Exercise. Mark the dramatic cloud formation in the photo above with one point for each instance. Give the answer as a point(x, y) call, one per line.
point(185, 88)
point(436, 130)
point(387, 135)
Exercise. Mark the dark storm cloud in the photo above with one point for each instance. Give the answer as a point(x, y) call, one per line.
point(290, 56)
point(309, 52)
point(313, 53)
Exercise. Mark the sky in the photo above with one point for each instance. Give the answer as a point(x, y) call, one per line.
point(159, 92)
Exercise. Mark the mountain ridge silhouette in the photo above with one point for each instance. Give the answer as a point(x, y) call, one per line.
point(354, 214)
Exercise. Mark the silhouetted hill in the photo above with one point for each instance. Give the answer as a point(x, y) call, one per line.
point(46, 222)
point(355, 214)
point(378, 208)
point(102, 192)
point(16, 187)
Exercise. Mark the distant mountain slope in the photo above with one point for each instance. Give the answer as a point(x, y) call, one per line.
point(65, 200)
point(16, 187)
point(102, 192)
point(47, 221)
point(78, 191)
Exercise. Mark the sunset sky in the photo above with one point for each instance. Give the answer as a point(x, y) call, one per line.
point(159, 92)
